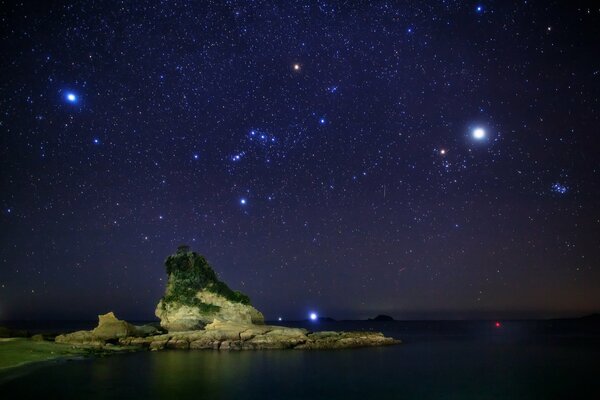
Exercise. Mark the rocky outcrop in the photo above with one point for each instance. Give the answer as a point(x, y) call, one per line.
point(201, 312)
point(195, 297)
point(221, 335)
point(109, 327)
point(175, 316)
point(109, 330)
point(229, 336)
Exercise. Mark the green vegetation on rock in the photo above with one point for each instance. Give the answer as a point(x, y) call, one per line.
point(189, 272)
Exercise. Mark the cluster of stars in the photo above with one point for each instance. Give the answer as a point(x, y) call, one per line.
point(559, 188)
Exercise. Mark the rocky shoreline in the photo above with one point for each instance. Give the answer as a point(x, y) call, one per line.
point(219, 335)
point(199, 311)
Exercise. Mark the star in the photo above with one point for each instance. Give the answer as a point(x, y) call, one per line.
point(243, 201)
point(96, 141)
point(479, 133)
point(443, 152)
point(196, 156)
point(479, 9)
point(322, 121)
point(296, 67)
point(71, 97)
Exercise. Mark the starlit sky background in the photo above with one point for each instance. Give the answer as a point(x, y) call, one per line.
point(433, 159)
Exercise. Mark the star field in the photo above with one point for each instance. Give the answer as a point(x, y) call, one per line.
point(422, 159)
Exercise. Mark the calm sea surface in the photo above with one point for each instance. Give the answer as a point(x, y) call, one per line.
point(438, 360)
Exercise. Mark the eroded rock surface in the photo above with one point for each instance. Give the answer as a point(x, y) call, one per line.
point(109, 330)
point(175, 316)
point(221, 335)
point(195, 297)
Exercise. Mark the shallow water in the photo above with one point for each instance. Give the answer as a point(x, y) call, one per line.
point(439, 360)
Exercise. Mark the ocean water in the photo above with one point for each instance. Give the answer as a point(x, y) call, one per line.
point(438, 360)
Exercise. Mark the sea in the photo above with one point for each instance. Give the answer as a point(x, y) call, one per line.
point(551, 359)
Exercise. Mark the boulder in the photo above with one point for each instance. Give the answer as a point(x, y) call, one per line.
point(109, 327)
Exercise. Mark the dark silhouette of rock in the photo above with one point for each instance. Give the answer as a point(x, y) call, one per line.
point(382, 317)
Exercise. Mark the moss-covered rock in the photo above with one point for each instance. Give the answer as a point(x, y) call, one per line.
point(195, 296)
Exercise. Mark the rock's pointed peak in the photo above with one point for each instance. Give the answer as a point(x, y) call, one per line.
point(108, 317)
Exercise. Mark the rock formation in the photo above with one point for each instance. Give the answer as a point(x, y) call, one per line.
point(201, 312)
point(231, 336)
point(195, 296)
point(109, 330)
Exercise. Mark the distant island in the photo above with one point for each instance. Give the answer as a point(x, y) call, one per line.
point(381, 317)
point(197, 311)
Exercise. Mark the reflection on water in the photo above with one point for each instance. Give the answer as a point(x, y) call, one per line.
point(451, 366)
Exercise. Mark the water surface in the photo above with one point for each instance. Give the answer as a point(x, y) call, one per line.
point(438, 360)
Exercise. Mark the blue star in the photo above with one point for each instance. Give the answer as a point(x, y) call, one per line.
point(71, 97)
point(322, 121)
point(196, 156)
point(479, 133)
point(243, 201)
point(479, 9)
point(96, 141)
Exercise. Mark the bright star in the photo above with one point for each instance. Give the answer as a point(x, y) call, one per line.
point(443, 151)
point(196, 156)
point(322, 121)
point(296, 67)
point(279, 319)
point(479, 133)
point(479, 9)
point(313, 316)
point(243, 201)
point(71, 97)
point(96, 141)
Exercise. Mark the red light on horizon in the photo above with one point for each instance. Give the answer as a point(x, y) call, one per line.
point(497, 324)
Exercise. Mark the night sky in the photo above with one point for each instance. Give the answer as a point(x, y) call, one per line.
point(435, 159)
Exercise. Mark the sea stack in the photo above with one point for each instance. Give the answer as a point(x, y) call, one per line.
point(195, 297)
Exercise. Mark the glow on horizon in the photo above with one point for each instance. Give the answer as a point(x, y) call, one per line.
point(313, 316)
